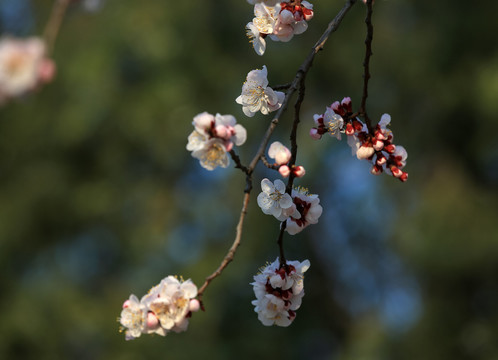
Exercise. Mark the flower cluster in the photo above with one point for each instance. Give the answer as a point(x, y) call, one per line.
point(165, 308)
point(279, 290)
point(257, 95)
point(299, 209)
point(377, 147)
point(278, 20)
point(213, 137)
point(282, 155)
point(23, 66)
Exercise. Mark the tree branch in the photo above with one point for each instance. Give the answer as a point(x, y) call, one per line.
point(231, 252)
point(298, 82)
point(366, 65)
point(54, 23)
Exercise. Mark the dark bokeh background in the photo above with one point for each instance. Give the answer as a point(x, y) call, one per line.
point(100, 199)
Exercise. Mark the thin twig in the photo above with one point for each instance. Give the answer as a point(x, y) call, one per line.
point(238, 164)
point(304, 68)
point(298, 81)
point(231, 253)
point(54, 23)
point(366, 64)
point(266, 163)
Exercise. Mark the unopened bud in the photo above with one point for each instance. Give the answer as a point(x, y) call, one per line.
point(284, 170)
point(381, 160)
point(299, 171)
point(391, 148)
point(396, 172)
point(376, 170)
point(194, 305)
point(349, 129)
point(314, 134)
point(378, 145)
point(364, 152)
point(152, 321)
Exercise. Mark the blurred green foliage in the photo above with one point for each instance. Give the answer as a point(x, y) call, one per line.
point(100, 199)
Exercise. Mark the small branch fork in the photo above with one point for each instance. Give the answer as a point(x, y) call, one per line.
point(297, 84)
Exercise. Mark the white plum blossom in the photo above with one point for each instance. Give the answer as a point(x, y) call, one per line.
point(166, 307)
point(291, 20)
point(133, 317)
point(328, 122)
point(255, 38)
point(261, 25)
point(279, 289)
point(257, 95)
point(280, 20)
point(212, 154)
point(308, 211)
point(23, 66)
point(213, 137)
point(273, 200)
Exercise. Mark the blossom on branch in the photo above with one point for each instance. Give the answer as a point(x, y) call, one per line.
point(213, 137)
point(23, 66)
point(308, 210)
point(257, 95)
point(377, 147)
point(278, 20)
point(165, 308)
point(273, 200)
point(279, 290)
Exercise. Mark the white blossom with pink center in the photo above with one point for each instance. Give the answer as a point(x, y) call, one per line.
point(166, 307)
point(308, 211)
point(279, 290)
point(213, 137)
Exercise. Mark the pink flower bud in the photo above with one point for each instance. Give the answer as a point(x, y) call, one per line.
point(336, 107)
point(364, 152)
point(279, 152)
point(346, 103)
point(396, 172)
point(152, 321)
point(284, 171)
point(403, 177)
point(228, 145)
point(376, 170)
point(391, 148)
point(194, 305)
point(222, 132)
point(46, 71)
point(379, 135)
point(381, 160)
point(358, 126)
point(126, 304)
point(308, 14)
point(299, 171)
point(349, 129)
point(378, 145)
point(314, 134)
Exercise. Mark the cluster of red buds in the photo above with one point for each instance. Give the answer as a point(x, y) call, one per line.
point(377, 147)
point(301, 10)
